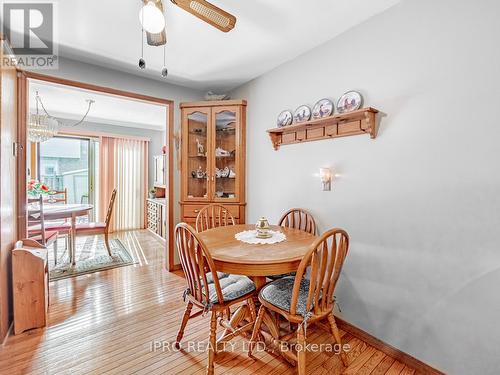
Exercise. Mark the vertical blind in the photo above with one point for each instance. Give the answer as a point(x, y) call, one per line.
point(123, 167)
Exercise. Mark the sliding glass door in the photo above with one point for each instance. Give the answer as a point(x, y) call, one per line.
point(70, 164)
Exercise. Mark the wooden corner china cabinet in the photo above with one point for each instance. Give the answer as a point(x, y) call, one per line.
point(213, 157)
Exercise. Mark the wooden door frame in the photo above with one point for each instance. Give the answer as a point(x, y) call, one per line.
point(23, 77)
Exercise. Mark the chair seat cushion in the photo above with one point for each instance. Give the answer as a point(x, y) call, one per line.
point(276, 277)
point(232, 286)
point(279, 294)
point(90, 226)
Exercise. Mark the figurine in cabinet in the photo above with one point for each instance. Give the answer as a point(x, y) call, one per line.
point(200, 148)
point(200, 173)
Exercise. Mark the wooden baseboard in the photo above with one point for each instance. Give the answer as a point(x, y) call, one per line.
point(176, 267)
point(391, 351)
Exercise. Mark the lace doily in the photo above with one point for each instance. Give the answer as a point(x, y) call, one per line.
point(249, 236)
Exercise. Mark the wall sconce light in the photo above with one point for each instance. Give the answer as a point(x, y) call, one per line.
point(325, 174)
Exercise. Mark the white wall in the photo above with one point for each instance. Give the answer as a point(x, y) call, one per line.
point(421, 202)
point(82, 72)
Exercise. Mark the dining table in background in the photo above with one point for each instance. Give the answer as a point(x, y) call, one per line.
point(53, 212)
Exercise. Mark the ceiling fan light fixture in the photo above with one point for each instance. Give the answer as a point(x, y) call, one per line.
point(152, 18)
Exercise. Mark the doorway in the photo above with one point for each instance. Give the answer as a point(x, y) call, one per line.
point(83, 180)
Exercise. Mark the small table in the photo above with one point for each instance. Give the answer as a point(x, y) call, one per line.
point(67, 211)
point(256, 261)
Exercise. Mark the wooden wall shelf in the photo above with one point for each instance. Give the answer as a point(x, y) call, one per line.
point(357, 122)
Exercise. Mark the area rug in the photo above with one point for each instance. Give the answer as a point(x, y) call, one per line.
point(92, 256)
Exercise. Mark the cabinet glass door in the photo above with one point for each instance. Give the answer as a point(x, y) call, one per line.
point(226, 156)
point(197, 161)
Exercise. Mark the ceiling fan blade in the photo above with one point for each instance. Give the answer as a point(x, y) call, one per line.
point(209, 13)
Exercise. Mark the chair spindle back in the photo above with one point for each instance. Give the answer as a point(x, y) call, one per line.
point(298, 218)
point(35, 216)
point(325, 259)
point(57, 196)
point(110, 209)
point(196, 261)
point(213, 216)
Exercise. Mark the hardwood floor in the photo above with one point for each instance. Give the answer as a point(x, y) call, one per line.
point(109, 322)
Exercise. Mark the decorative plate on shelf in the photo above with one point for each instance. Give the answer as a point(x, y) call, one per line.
point(350, 101)
point(322, 108)
point(302, 114)
point(284, 118)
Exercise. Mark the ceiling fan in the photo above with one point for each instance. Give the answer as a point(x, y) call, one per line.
point(153, 20)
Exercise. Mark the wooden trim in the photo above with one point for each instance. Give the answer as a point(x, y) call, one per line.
point(170, 174)
point(96, 134)
point(33, 161)
point(92, 87)
point(146, 183)
point(391, 351)
point(214, 103)
point(23, 97)
point(22, 111)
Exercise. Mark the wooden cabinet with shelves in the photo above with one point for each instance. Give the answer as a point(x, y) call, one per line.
point(156, 214)
point(213, 156)
point(157, 217)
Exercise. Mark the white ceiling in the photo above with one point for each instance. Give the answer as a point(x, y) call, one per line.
point(267, 34)
point(70, 103)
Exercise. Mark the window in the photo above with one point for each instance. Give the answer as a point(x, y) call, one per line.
point(69, 163)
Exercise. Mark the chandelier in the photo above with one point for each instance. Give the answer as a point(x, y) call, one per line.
point(43, 126)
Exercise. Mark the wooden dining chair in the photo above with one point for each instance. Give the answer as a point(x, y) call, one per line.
point(300, 219)
point(304, 301)
point(213, 216)
point(212, 292)
point(99, 228)
point(57, 196)
point(36, 229)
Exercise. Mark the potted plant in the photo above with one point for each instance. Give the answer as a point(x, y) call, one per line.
point(36, 188)
point(152, 193)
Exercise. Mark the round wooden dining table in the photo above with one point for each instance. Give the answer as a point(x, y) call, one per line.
point(67, 211)
point(256, 260)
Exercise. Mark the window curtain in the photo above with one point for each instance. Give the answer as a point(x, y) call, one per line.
point(123, 165)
